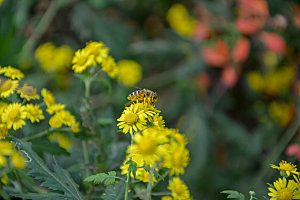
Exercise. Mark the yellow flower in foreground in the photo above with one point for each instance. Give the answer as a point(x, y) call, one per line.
point(28, 92)
point(132, 119)
point(130, 72)
point(6, 148)
point(18, 160)
point(148, 145)
point(287, 168)
point(12, 73)
point(82, 60)
point(48, 97)
point(98, 50)
point(284, 190)
point(176, 159)
point(14, 116)
point(110, 67)
point(63, 141)
point(8, 87)
point(179, 189)
point(55, 121)
point(34, 113)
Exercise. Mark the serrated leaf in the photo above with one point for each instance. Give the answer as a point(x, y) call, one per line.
point(114, 192)
point(57, 180)
point(233, 194)
point(48, 196)
point(107, 179)
point(132, 167)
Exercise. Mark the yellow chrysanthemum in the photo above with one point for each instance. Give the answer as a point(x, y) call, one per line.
point(82, 60)
point(3, 131)
point(18, 160)
point(14, 116)
point(177, 158)
point(6, 148)
point(63, 141)
point(28, 92)
point(66, 117)
point(180, 20)
point(75, 127)
point(8, 87)
point(110, 67)
point(98, 50)
point(158, 121)
point(286, 168)
point(284, 190)
point(177, 137)
point(4, 179)
point(130, 72)
point(34, 113)
point(55, 121)
point(63, 58)
point(12, 73)
point(48, 97)
point(179, 189)
point(55, 108)
point(148, 146)
point(3, 160)
point(132, 119)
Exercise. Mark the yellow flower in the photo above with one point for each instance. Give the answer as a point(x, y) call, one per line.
point(110, 67)
point(179, 138)
point(6, 148)
point(28, 92)
point(75, 127)
point(55, 108)
point(180, 21)
point(14, 116)
point(256, 81)
point(82, 60)
point(166, 198)
point(4, 179)
point(287, 168)
point(132, 119)
point(8, 87)
point(158, 121)
point(34, 113)
point(282, 112)
point(179, 189)
point(284, 190)
point(3, 160)
point(3, 131)
point(63, 58)
point(130, 72)
point(98, 50)
point(66, 117)
point(55, 121)
point(148, 146)
point(48, 97)
point(177, 158)
point(63, 141)
point(18, 160)
point(12, 73)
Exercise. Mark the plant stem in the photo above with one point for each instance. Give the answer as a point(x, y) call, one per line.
point(41, 134)
point(19, 181)
point(149, 186)
point(85, 156)
point(161, 178)
point(128, 174)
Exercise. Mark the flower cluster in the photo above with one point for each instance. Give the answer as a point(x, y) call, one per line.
point(94, 54)
point(154, 147)
point(285, 188)
point(52, 58)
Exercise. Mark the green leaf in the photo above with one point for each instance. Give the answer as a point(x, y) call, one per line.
point(48, 196)
point(115, 192)
point(107, 179)
point(105, 121)
point(56, 180)
point(132, 167)
point(233, 194)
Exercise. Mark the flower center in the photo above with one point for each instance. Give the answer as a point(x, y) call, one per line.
point(14, 115)
point(131, 118)
point(285, 194)
point(34, 111)
point(147, 146)
point(6, 85)
point(178, 189)
point(81, 60)
point(28, 90)
point(178, 159)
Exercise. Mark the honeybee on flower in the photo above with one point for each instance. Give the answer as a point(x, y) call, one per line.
point(143, 95)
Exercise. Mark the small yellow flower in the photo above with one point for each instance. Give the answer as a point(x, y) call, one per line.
point(34, 113)
point(55, 108)
point(8, 87)
point(4, 179)
point(284, 190)
point(12, 73)
point(63, 141)
point(48, 97)
point(75, 127)
point(3, 131)
point(66, 117)
point(98, 50)
point(6, 148)
point(14, 116)
point(282, 112)
point(287, 168)
point(28, 92)
point(179, 189)
point(3, 160)
point(110, 67)
point(132, 119)
point(82, 60)
point(55, 121)
point(18, 160)
point(158, 121)
point(130, 72)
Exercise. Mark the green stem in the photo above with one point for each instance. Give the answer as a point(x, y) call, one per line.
point(161, 178)
point(149, 186)
point(19, 181)
point(85, 156)
point(161, 193)
point(40, 29)
point(41, 134)
point(128, 174)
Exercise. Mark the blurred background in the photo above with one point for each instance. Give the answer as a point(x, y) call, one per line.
point(226, 71)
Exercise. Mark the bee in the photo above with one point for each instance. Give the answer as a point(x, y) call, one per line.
point(143, 95)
